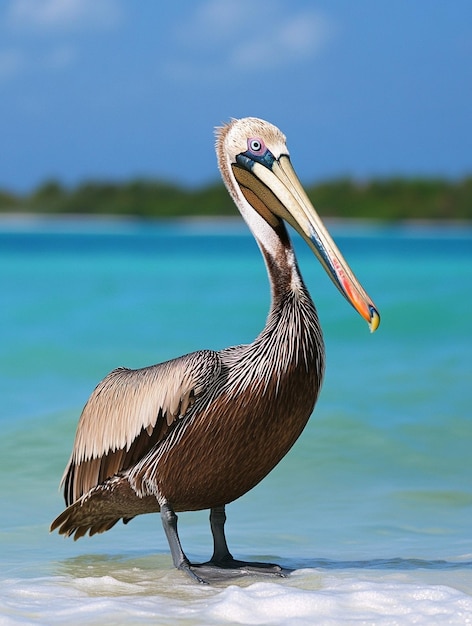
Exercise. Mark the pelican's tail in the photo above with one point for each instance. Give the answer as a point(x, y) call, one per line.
point(102, 507)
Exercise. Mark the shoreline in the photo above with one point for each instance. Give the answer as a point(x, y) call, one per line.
point(24, 218)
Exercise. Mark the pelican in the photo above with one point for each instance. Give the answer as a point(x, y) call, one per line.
point(199, 431)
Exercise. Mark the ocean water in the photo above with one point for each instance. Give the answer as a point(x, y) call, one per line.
point(372, 508)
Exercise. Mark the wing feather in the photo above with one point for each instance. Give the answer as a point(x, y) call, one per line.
point(129, 412)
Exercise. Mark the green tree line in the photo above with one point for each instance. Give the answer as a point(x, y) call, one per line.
point(386, 199)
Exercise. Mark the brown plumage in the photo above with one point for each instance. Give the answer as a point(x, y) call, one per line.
point(201, 430)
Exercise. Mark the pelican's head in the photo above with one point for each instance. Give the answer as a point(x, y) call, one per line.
point(255, 165)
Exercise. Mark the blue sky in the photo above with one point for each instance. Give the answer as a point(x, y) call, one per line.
point(114, 89)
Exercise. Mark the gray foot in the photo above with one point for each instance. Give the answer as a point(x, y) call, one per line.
point(232, 568)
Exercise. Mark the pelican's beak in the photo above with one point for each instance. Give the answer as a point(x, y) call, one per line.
point(279, 193)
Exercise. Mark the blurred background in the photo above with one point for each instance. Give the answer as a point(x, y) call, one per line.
point(99, 94)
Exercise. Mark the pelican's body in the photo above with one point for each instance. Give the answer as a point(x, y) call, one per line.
point(199, 431)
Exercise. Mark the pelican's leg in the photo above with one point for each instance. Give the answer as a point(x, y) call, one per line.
point(222, 557)
point(221, 552)
point(169, 521)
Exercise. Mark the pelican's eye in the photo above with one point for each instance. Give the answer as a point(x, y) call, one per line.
point(256, 152)
point(256, 146)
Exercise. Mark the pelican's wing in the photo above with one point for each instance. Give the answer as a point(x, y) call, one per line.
point(129, 412)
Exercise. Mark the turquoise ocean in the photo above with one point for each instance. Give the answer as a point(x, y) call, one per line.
point(372, 507)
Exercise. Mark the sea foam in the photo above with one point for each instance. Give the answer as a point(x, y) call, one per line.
point(336, 600)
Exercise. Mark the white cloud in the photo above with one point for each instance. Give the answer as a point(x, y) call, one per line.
point(50, 21)
point(295, 39)
point(248, 36)
point(63, 14)
point(15, 62)
point(216, 20)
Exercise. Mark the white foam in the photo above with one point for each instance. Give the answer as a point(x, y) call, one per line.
point(343, 602)
point(304, 599)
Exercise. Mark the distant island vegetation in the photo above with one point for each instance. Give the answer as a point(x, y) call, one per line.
point(384, 199)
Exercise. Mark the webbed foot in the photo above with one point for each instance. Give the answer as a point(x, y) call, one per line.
point(228, 567)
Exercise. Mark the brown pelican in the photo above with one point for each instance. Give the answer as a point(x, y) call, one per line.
point(201, 430)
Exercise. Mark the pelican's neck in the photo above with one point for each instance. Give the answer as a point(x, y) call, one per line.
point(292, 334)
point(281, 264)
point(291, 339)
